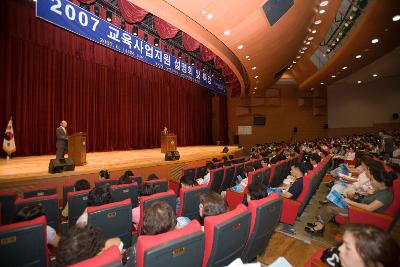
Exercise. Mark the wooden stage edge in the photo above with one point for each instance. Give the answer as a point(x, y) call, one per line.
point(31, 172)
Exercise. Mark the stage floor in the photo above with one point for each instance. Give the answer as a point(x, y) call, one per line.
point(27, 168)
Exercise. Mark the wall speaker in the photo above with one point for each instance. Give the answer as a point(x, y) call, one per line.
point(172, 155)
point(295, 129)
point(225, 150)
point(60, 165)
point(395, 116)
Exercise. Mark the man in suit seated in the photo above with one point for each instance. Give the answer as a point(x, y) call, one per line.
point(62, 140)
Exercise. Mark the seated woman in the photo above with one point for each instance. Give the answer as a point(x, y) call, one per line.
point(293, 191)
point(255, 192)
point(206, 179)
point(97, 196)
point(211, 204)
point(377, 202)
point(82, 243)
point(146, 189)
point(33, 211)
point(241, 181)
point(81, 184)
point(186, 181)
point(366, 245)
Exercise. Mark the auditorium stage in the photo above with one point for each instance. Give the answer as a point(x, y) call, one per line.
point(27, 172)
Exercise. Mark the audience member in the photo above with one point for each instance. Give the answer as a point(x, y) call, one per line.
point(81, 184)
point(211, 204)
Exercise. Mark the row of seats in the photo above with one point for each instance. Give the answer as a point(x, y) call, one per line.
point(243, 232)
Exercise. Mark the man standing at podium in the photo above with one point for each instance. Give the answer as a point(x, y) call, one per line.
point(165, 131)
point(62, 140)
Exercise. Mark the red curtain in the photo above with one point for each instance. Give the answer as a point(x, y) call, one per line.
point(205, 53)
point(48, 74)
point(130, 12)
point(87, 1)
point(164, 29)
point(189, 42)
point(223, 120)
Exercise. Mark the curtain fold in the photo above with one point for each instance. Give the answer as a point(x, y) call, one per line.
point(131, 12)
point(48, 74)
point(189, 42)
point(164, 29)
point(205, 53)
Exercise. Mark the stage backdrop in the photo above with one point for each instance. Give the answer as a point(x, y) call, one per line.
point(48, 74)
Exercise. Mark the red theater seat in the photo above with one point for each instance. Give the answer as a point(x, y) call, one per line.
point(182, 247)
point(50, 206)
point(225, 236)
point(7, 200)
point(201, 171)
point(265, 214)
point(24, 243)
point(190, 200)
point(229, 172)
point(113, 219)
point(105, 182)
point(216, 177)
point(66, 189)
point(110, 258)
point(162, 183)
point(77, 202)
point(123, 191)
point(39, 192)
point(191, 172)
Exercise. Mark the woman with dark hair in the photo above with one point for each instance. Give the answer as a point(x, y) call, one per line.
point(185, 182)
point(366, 245)
point(146, 189)
point(211, 204)
point(97, 196)
point(255, 192)
point(377, 202)
point(33, 211)
point(80, 244)
point(158, 218)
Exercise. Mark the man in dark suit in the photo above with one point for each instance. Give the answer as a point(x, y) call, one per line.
point(165, 131)
point(62, 140)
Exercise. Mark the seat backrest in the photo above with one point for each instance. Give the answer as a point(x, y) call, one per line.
point(229, 172)
point(181, 247)
point(216, 176)
point(257, 176)
point(110, 182)
point(39, 192)
point(239, 169)
point(306, 192)
point(77, 202)
point(162, 183)
point(278, 175)
point(137, 179)
point(265, 214)
point(201, 171)
point(123, 191)
point(66, 189)
point(394, 207)
point(191, 172)
point(7, 200)
point(146, 201)
point(110, 258)
point(50, 206)
point(113, 219)
point(225, 236)
point(24, 243)
point(189, 201)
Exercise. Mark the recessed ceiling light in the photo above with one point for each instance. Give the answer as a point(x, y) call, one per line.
point(324, 3)
point(312, 89)
point(375, 75)
point(396, 18)
point(204, 12)
point(308, 43)
point(317, 22)
point(298, 57)
point(247, 56)
point(227, 32)
point(255, 88)
point(321, 83)
point(248, 59)
point(240, 46)
point(322, 11)
point(253, 68)
point(346, 24)
point(291, 66)
point(333, 76)
point(305, 48)
point(344, 68)
point(314, 31)
point(310, 38)
point(209, 16)
point(301, 52)
point(358, 56)
point(374, 41)
point(358, 82)
point(255, 77)
point(294, 62)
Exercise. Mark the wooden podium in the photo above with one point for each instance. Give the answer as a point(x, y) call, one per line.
point(168, 142)
point(77, 148)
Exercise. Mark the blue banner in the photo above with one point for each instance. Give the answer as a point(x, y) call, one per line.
point(79, 21)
